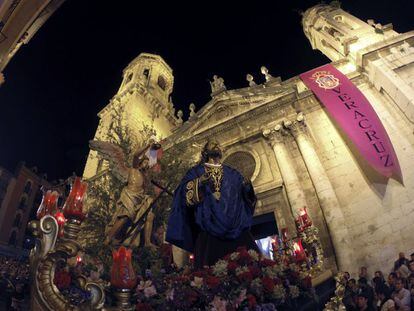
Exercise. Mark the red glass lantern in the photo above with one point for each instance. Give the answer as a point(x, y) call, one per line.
point(298, 251)
point(73, 207)
point(48, 206)
point(122, 273)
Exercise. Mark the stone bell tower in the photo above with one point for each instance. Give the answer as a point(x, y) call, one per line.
point(381, 54)
point(143, 99)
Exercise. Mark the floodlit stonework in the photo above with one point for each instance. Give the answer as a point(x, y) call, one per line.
point(19, 21)
point(293, 152)
point(142, 99)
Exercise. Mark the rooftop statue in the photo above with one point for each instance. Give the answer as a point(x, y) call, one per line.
point(217, 85)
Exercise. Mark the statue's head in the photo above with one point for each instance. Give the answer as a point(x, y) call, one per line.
point(211, 150)
point(141, 162)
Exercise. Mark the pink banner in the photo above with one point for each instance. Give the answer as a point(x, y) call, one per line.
point(355, 115)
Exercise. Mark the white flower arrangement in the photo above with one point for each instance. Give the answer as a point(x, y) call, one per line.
point(268, 271)
point(279, 292)
point(220, 268)
point(294, 291)
point(234, 256)
point(253, 254)
point(241, 270)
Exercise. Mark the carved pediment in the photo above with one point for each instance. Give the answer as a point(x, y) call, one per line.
point(223, 111)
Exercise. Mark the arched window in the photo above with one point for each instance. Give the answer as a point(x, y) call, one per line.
point(17, 221)
point(12, 239)
point(28, 187)
point(129, 77)
point(162, 83)
point(146, 73)
point(242, 161)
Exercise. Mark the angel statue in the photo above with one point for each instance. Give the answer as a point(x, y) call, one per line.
point(134, 207)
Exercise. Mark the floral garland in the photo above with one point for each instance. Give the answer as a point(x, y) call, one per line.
point(243, 280)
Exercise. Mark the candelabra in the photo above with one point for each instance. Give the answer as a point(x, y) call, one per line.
point(52, 250)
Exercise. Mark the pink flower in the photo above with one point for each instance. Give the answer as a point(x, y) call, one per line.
point(144, 284)
point(218, 304)
point(170, 294)
point(150, 291)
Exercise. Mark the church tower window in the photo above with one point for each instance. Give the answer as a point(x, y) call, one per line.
point(146, 73)
point(162, 83)
point(129, 78)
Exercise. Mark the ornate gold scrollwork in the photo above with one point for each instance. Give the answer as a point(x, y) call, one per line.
point(45, 257)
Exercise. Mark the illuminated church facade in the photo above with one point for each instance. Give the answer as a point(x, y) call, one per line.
point(279, 135)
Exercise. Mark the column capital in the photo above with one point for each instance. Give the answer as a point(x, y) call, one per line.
point(297, 126)
point(275, 135)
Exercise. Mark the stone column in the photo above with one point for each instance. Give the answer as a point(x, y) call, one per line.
point(294, 192)
point(327, 198)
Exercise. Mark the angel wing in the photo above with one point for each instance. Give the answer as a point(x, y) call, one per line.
point(115, 155)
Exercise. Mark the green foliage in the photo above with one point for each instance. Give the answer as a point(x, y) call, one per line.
point(104, 191)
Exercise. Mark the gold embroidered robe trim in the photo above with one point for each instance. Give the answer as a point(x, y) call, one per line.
point(215, 174)
point(192, 195)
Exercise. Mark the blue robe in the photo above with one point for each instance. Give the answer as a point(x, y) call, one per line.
point(226, 218)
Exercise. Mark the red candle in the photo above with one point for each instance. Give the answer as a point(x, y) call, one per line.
point(122, 273)
point(298, 250)
point(48, 206)
point(285, 234)
point(304, 218)
point(73, 207)
point(78, 260)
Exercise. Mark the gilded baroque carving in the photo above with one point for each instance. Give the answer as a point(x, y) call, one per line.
point(44, 258)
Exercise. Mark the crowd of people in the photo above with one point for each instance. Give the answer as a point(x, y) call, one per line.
point(14, 284)
point(396, 292)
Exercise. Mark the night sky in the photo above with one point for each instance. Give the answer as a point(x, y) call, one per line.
point(56, 85)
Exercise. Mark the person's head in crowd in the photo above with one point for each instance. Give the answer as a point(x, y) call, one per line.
point(411, 280)
point(399, 284)
point(403, 272)
point(362, 301)
point(391, 278)
point(411, 267)
point(412, 256)
point(379, 274)
point(347, 276)
point(352, 284)
point(363, 272)
point(377, 281)
point(362, 282)
point(401, 255)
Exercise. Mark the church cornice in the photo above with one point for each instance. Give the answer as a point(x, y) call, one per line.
point(266, 108)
